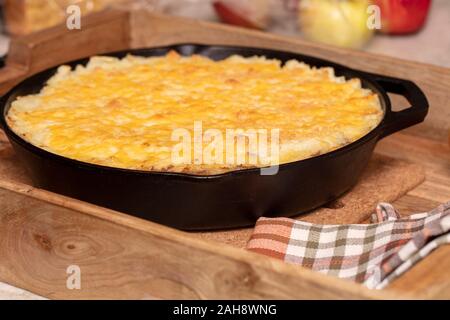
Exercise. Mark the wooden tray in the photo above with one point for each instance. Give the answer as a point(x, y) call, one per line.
point(120, 256)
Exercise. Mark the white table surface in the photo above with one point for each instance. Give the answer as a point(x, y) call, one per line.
point(431, 45)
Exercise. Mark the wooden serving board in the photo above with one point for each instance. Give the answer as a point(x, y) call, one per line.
point(42, 233)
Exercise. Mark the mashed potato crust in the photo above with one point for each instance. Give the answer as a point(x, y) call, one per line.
point(122, 112)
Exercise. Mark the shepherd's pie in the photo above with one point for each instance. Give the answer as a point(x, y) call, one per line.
point(123, 112)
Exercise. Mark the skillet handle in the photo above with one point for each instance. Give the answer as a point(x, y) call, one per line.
point(397, 120)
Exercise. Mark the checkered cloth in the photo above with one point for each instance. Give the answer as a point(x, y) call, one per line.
point(373, 254)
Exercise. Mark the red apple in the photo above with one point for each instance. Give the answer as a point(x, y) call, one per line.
point(402, 16)
point(249, 14)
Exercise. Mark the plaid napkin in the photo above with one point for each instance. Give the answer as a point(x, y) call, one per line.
point(372, 254)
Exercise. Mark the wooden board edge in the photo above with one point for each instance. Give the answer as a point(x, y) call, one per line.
point(332, 287)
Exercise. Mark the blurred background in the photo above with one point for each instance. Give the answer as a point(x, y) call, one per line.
point(409, 29)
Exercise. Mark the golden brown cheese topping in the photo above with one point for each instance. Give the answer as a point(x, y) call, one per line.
point(135, 112)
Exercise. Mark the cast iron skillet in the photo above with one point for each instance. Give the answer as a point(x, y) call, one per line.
point(229, 200)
